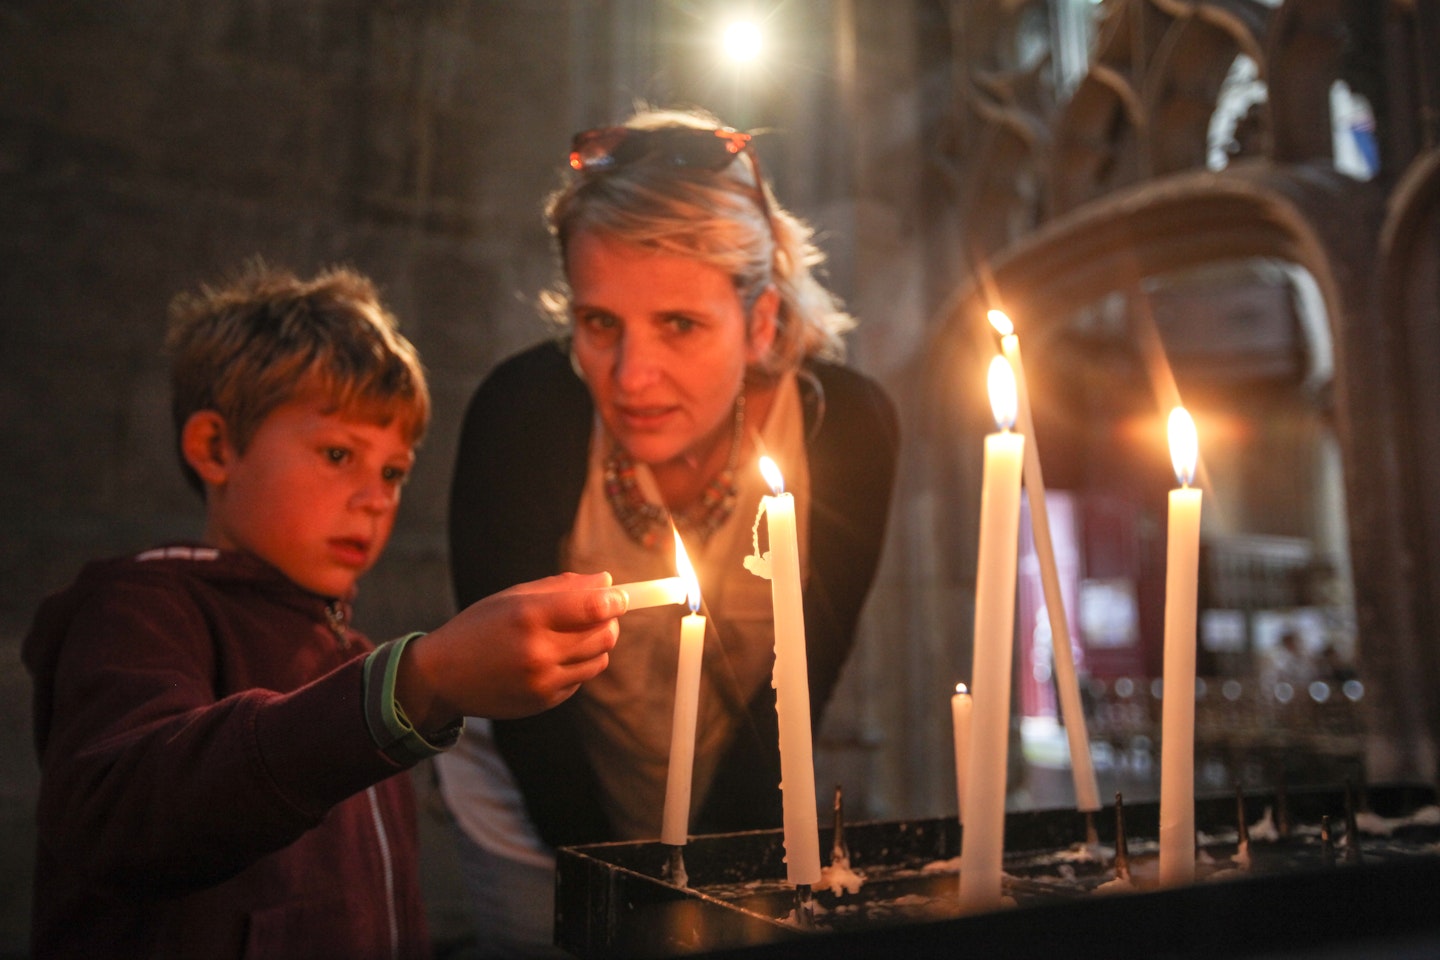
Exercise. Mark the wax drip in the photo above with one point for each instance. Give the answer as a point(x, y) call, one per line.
point(675, 867)
point(758, 563)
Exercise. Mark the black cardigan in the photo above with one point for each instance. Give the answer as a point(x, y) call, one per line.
point(519, 474)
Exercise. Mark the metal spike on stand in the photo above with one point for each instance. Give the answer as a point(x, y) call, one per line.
point(1122, 848)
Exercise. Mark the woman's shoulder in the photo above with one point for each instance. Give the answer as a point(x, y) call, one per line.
point(538, 382)
point(843, 400)
point(530, 412)
point(537, 367)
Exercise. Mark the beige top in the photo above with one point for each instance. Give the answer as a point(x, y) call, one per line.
point(628, 709)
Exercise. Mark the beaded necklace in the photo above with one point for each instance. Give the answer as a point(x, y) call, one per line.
point(645, 522)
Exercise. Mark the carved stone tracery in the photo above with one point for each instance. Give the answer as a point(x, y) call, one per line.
point(1063, 200)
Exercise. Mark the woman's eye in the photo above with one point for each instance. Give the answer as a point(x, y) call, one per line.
point(337, 454)
point(680, 324)
point(395, 475)
point(597, 322)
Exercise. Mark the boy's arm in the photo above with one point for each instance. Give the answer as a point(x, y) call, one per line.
point(150, 781)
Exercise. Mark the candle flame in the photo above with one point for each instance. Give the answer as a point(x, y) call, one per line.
point(772, 475)
point(1184, 445)
point(1001, 322)
point(1003, 400)
point(961, 688)
point(687, 573)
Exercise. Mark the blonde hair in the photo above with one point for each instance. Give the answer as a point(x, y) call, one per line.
point(266, 338)
point(717, 218)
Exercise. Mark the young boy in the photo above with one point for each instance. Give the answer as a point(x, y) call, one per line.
point(218, 746)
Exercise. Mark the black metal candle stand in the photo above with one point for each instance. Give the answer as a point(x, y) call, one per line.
point(1292, 895)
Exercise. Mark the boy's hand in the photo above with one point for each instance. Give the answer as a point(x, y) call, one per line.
point(512, 654)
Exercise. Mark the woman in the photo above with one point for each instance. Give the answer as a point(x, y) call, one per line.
point(698, 338)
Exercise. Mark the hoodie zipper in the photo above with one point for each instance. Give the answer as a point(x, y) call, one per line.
point(387, 861)
point(335, 616)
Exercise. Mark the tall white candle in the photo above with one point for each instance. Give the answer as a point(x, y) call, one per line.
point(791, 680)
point(653, 593)
point(1067, 683)
point(961, 706)
point(983, 839)
point(675, 827)
point(1177, 714)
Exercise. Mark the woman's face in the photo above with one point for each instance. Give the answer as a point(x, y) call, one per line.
point(663, 343)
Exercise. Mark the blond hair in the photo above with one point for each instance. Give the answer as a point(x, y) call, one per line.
point(717, 218)
point(266, 338)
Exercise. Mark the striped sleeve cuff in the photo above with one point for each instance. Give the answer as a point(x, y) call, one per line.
point(392, 731)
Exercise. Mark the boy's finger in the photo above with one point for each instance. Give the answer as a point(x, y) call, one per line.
point(592, 645)
point(563, 582)
point(579, 609)
point(580, 671)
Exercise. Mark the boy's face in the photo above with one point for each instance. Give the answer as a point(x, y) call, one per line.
point(314, 494)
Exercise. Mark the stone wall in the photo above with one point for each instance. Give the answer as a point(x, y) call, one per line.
point(147, 147)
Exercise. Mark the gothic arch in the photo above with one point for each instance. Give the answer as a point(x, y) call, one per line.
point(1128, 199)
point(1409, 297)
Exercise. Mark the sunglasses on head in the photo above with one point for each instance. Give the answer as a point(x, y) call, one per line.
point(608, 148)
point(694, 148)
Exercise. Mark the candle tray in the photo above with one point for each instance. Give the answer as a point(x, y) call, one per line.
point(1299, 892)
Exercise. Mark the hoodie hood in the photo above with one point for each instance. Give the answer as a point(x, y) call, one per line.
point(197, 563)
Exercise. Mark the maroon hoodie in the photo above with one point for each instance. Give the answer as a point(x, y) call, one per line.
point(209, 787)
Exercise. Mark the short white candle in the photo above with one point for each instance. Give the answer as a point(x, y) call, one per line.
point(1067, 683)
point(1177, 714)
point(961, 706)
point(653, 593)
point(792, 682)
point(675, 826)
point(983, 839)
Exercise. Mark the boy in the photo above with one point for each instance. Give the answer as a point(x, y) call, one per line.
point(218, 747)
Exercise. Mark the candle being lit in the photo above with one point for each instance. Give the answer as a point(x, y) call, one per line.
point(1067, 683)
point(781, 565)
point(1177, 714)
point(983, 839)
point(960, 709)
point(675, 827)
point(654, 593)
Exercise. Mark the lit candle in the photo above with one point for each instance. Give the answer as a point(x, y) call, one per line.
point(1067, 684)
point(1177, 715)
point(781, 565)
point(675, 827)
point(983, 839)
point(960, 707)
point(654, 593)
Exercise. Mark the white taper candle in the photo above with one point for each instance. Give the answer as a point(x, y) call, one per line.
point(1067, 682)
point(1177, 712)
point(983, 838)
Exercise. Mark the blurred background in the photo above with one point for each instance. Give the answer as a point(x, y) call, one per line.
point(1227, 202)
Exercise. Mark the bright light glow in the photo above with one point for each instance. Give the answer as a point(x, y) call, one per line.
point(1001, 322)
point(772, 475)
point(1184, 445)
point(742, 41)
point(1003, 402)
point(687, 573)
point(961, 688)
